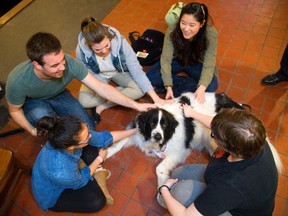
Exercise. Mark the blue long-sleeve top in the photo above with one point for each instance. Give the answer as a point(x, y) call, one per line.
point(56, 170)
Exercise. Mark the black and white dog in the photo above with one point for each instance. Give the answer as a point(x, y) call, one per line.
point(166, 133)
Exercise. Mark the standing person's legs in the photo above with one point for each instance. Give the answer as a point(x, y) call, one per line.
point(282, 73)
point(87, 199)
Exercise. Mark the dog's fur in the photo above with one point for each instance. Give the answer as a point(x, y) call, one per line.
point(167, 133)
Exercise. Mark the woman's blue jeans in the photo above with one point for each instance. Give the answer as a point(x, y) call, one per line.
point(181, 84)
point(59, 105)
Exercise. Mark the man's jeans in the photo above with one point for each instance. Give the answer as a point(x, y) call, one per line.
point(59, 105)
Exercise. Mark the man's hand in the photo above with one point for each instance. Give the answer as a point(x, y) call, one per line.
point(144, 107)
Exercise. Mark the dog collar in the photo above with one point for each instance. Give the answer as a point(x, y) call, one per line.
point(161, 153)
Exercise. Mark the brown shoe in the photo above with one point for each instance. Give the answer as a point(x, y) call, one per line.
point(101, 176)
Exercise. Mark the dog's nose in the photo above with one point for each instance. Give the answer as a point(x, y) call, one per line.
point(157, 137)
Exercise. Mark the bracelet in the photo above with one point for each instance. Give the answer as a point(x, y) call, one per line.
point(159, 189)
point(99, 158)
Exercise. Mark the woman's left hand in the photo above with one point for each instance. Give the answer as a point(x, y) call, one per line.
point(200, 94)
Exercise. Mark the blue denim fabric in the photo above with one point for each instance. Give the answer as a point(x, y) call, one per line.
point(180, 83)
point(56, 169)
point(92, 64)
point(60, 105)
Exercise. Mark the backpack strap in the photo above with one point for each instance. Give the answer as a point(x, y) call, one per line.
point(132, 36)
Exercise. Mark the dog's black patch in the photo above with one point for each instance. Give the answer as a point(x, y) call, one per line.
point(223, 101)
point(184, 100)
point(189, 131)
point(147, 121)
point(189, 125)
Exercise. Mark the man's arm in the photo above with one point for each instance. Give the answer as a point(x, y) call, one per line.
point(18, 116)
point(112, 94)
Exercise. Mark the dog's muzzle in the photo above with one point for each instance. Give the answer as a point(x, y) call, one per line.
point(157, 137)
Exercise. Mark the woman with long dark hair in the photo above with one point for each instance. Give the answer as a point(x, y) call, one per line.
point(190, 46)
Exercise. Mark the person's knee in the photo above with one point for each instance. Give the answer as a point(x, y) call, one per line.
point(96, 204)
point(186, 191)
point(213, 86)
point(86, 99)
point(37, 113)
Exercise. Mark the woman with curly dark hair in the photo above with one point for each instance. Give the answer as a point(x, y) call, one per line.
point(66, 177)
point(190, 46)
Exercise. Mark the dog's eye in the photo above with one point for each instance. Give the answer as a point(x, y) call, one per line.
point(152, 124)
point(164, 125)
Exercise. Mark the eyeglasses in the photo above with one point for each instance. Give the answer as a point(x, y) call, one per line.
point(87, 138)
point(212, 135)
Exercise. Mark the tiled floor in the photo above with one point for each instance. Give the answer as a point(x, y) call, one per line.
point(252, 37)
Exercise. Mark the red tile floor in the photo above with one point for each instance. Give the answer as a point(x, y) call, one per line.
point(252, 37)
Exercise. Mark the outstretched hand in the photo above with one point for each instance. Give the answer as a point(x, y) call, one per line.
point(143, 107)
point(103, 153)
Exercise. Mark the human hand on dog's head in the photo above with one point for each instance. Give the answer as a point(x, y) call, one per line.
point(143, 107)
point(171, 182)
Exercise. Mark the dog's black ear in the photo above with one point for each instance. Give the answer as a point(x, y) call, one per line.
point(223, 101)
point(141, 120)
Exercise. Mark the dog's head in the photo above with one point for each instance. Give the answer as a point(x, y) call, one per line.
point(157, 126)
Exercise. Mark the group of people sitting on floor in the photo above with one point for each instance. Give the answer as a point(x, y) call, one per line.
point(67, 175)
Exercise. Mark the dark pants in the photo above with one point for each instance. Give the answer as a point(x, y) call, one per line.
point(181, 84)
point(283, 71)
point(87, 199)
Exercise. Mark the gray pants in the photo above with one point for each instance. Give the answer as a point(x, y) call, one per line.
point(190, 185)
point(125, 84)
